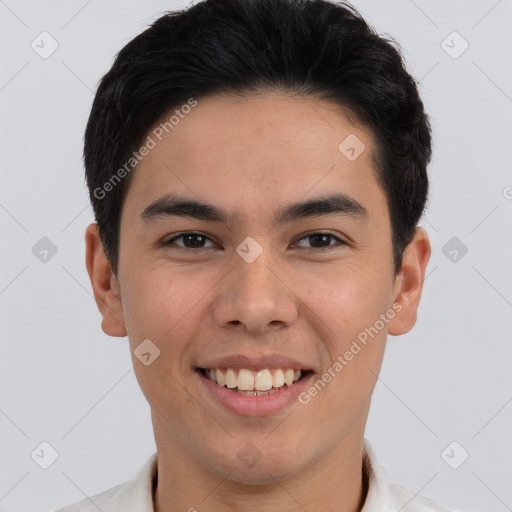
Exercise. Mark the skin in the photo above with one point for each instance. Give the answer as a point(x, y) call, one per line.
point(250, 156)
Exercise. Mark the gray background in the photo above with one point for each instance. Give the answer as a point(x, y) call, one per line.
point(64, 382)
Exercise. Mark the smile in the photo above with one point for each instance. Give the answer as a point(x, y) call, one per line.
point(253, 383)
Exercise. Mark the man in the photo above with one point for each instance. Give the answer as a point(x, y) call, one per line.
point(257, 170)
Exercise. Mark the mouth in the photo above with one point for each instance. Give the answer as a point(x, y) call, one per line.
point(247, 382)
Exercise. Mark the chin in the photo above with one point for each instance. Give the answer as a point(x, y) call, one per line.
point(261, 474)
point(251, 466)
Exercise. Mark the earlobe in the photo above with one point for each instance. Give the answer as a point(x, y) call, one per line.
point(104, 284)
point(409, 283)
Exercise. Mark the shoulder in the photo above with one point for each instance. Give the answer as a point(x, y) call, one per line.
point(133, 496)
point(102, 501)
point(407, 501)
point(383, 496)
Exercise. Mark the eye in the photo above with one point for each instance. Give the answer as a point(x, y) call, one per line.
point(191, 240)
point(321, 241)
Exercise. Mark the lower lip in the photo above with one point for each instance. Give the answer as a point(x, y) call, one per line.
point(255, 405)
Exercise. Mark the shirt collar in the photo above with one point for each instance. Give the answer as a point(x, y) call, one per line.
point(378, 497)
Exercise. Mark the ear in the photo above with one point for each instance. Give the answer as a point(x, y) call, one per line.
point(104, 284)
point(409, 283)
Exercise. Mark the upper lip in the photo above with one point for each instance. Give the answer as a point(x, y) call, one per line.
point(253, 363)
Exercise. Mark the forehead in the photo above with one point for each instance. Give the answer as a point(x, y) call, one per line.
point(257, 150)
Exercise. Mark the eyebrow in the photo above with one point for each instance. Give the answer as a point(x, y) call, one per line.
point(177, 206)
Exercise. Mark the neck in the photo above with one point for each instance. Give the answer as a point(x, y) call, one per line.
point(335, 482)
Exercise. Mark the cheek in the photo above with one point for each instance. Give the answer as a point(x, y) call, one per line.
point(161, 315)
point(167, 311)
point(347, 307)
point(347, 296)
point(156, 303)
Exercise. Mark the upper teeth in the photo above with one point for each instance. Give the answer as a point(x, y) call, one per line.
point(247, 380)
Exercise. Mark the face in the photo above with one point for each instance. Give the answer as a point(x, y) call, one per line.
point(290, 267)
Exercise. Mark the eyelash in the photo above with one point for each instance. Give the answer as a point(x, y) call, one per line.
point(309, 235)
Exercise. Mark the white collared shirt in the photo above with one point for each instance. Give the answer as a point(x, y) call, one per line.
point(137, 495)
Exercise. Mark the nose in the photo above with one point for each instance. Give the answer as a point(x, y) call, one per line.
point(256, 297)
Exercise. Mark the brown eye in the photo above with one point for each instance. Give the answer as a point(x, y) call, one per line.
point(190, 240)
point(322, 240)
